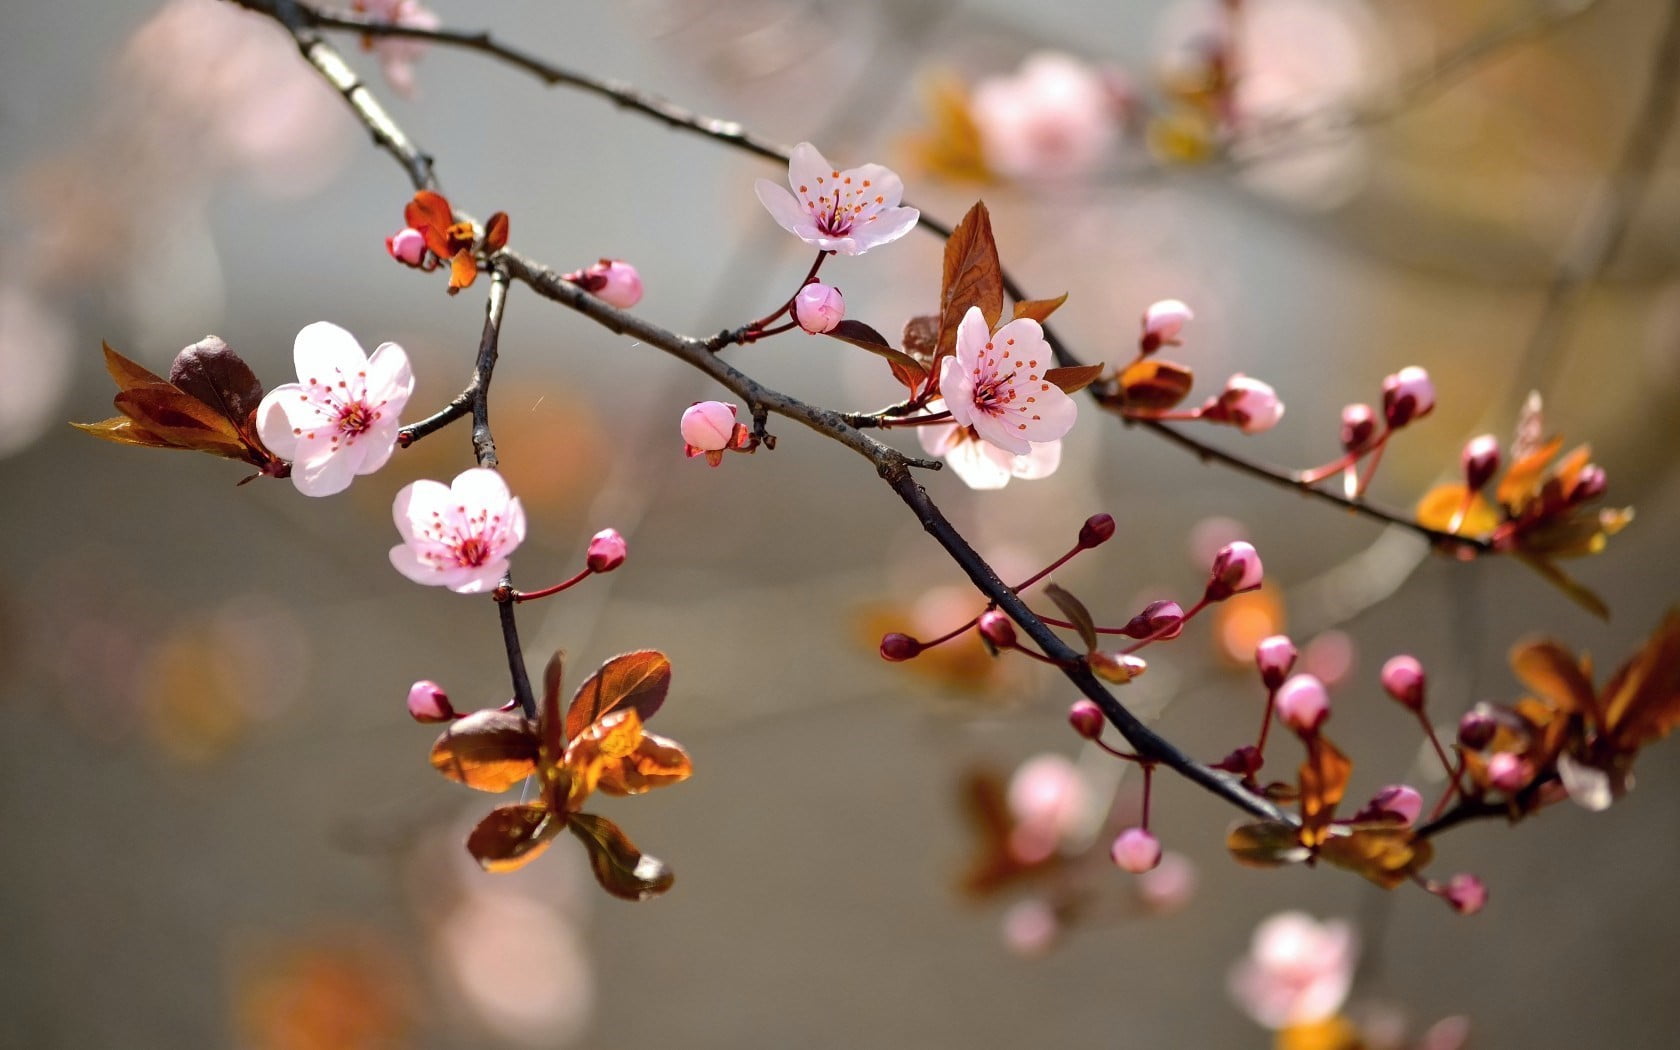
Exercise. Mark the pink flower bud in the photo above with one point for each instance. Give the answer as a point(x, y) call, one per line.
point(407, 246)
point(428, 703)
point(615, 282)
point(1403, 678)
point(1247, 403)
point(1274, 656)
point(606, 551)
point(1170, 885)
point(1480, 461)
point(1407, 395)
point(1397, 802)
point(899, 647)
point(1509, 772)
point(1086, 718)
point(1590, 484)
point(1097, 530)
point(1359, 426)
point(1476, 728)
point(1159, 620)
point(1162, 322)
point(1136, 850)
point(1465, 892)
point(996, 628)
point(1236, 568)
point(709, 426)
point(819, 308)
point(1303, 704)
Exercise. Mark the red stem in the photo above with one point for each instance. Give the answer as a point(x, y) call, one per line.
point(526, 596)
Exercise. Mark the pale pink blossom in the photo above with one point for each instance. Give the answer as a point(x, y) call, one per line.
point(819, 308)
point(708, 426)
point(1465, 892)
point(1274, 657)
point(1030, 927)
point(1402, 678)
point(848, 211)
point(1136, 850)
point(1359, 426)
point(1236, 568)
point(1303, 703)
point(981, 464)
point(1169, 885)
point(995, 383)
point(340, 419)
point(1297, 970)
point(397, 55)
point(1509, 772)
point(458, 535)
point(1055, 118)
point(1400, 802)
point(407, 246)
point(1050, 801)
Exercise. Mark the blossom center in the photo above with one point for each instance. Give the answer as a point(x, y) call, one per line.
point(356, 417)
point(993, 395)
point(472, 551)
point(836, 222)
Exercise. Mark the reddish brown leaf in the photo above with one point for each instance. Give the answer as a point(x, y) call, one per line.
point(1076, 613)
point(1073, 380)
point(183, 421)
point(124, 431)
point(1155, 385)
point(1324, 779)
point(1573, 589)
point(1441, 507)
point(431, 214)
point(904, 367)
point(655, 762)
point(1555, 677)
point(463, 271)
point(211, 372)
point(551, 725)
point(622, 870)
point(491, 750)
point(973, 277)
point(509, 837)
point(1522, 478)
point(127, 373)
point(1386, 856)
point(1266, 844)
point(637, 680)
point(1039, 310)
point(496, 232)
point(1642, 701)
point(921, 337)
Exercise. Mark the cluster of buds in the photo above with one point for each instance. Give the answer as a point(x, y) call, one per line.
point(1151, 388)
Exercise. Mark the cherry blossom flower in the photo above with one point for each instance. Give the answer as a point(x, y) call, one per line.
point(340, 420)
point(848, 211)
point(458, 535)
point(1055, 118)
point(1297, 970)
point(1247, 403)
point(995, 383)
point(981, 464)
point(397, 55)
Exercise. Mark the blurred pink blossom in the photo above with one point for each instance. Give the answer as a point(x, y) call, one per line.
point(1049, 799)
point(397, 55)
point(1297, 970)
point(1055, 118)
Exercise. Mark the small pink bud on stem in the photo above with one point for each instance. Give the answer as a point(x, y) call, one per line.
point(1136, 850)
point(427, 703)
point(708, 426)
point(997, 628)
point(606, 551)
point(1465, 892)
point(819, 308)
point(1162, 322)
point(1275, 657)
point(1408, 395)
point(899, 647)
point(1303, 704)
point(1509, 772)
point(1086, 718)
point(1590, 484)
point(1236, 568)
point(613, 281)
point(1476, 728)
point(407, 246)
point(1479, 461)
point(1397, 802)
point(1247, 403)
point(1097, 530)
point(1359, 427)
point(1403, 679)
point(1158, 621)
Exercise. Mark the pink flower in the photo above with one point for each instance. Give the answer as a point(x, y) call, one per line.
point(819, 308)
point(847, 211)
point(341, 419)
point(1465, 892)
point(1399, 802)
point(995, 384)
point(1480, 461)
point(397, 55)
point(407, 246)
point(981, 464)
point(1297, 970)
point(1136, 850)
point(1247, 404)
point(1509, 772)
point(427, 702)
point(460, 535)
point(1303, 703)
point(606, 551)
point(708, 426)
point(1030, 927)
point(1055, 118)
point(1169, 885)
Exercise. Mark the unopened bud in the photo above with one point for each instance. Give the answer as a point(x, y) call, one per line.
point(407, 246)
point(996, 628)
point(1086, 718)
point(1359, 427)
point(1480, 461)
point(1465, 892)
point(1236, 568)
point(1136, 850)
point(1399, 802)
point(1509, 772)
point(1162, 322)
point(819, 308)
point(1030, 927)
point(1303, 704)
point(428, 703)
point(1247, 403)
point(708, 426)
point(1097, 530)
point(1158, 620)
point(1275, 657)
point(1590, 484)
point(1402, 677)
point(897, 647)
point(1118, 668)
point(606, 551)
point(1407, 395)
point(1476, 728)
point(1245, 761)
point(621, 283)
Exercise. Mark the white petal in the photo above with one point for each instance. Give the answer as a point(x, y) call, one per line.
point(323, 475)
point(1029, 339)
point(389, 378)
point(889, 225)
point(883, 181)
point(514, 524)
point(414, 506)
point(972, 337)
point(806, 165)
point(1588, 786)
point(407, 562)
point(973, 463)
point(1001, 431)
point(938, 440)
point(323, 349)
point(373, 447)
point(1056, 414)
point(486, 577)
point(274, 423)
point(1041, 462)
point(784, 209)
point(480, 488)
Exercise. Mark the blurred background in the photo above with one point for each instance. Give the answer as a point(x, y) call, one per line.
point(220, 827)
